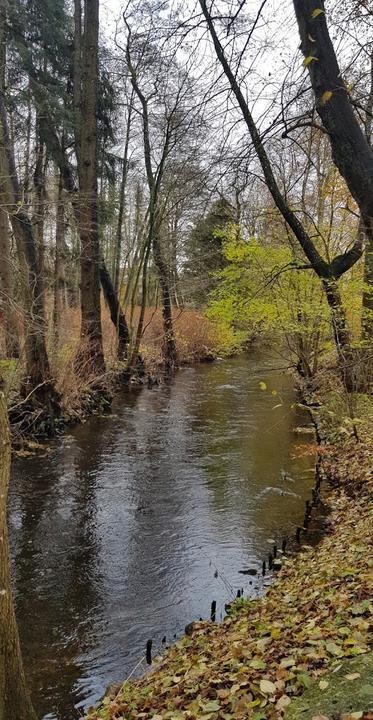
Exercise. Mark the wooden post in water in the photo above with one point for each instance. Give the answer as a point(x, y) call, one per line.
point(213, 611)
point(149, 646)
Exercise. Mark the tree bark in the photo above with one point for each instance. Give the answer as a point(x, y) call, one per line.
point(39, 203)
point(87, 210)
point(367, 321)
point(15, 702)
point(10, 324)
point(60, 283)
point(122, 198)
point(10, 318)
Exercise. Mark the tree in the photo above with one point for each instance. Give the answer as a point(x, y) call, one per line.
point(37, 387)
point(85, 98)
point(204, 251)
point(15, 702)
point(154, 179)
point(10, 324)
point(329, 271)
point(351, 149)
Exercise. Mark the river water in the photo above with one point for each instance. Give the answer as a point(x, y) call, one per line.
point(134, 522)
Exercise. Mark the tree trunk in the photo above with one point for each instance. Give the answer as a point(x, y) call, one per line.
point(116, 314)
point(15, 702)
point(39, 203)
point(60, 283)
point(169, 344)
point(10, 317)
point(367, 322)
point(341, 333)
point(10, 324)
point(87, 210)
point(37, 386)
point(351, 149)
point(122, 198)
point(367, 325)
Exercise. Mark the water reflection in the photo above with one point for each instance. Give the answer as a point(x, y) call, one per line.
point(117, 535)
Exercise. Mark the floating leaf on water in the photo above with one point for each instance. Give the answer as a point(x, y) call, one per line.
point(317, 11)
point(263, 385)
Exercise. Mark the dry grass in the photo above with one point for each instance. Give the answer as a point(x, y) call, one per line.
point(195, 339)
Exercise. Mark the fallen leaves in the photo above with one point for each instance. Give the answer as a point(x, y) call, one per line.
point(267, 687)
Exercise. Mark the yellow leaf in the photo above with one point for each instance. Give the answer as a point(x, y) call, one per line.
point(323, 684)
point(317, 11)
point(263, 385)
point(325, 97)
point(307, 61)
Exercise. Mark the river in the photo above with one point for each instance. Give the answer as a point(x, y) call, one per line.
point(134, 522)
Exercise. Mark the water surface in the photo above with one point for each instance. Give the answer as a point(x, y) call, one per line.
point(136, 521)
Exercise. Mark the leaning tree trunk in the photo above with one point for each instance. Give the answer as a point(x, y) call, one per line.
point(86, 136)
point(15, 702)
point(116, 314)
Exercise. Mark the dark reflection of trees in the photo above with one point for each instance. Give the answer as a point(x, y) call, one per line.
point(57, 579)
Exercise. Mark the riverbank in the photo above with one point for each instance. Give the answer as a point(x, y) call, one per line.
point(307, 635)
point(81, 394)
